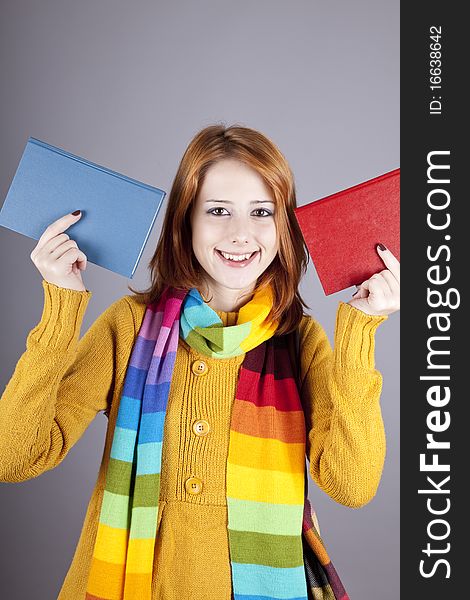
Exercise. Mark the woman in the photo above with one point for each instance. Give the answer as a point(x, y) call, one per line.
point(215, 508)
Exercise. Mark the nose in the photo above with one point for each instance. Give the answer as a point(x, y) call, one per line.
point(240, 239)
point(239, 231)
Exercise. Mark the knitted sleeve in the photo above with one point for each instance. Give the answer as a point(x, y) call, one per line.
point(59, 383)
point(340, 392)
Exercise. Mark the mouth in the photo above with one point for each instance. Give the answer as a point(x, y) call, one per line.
point(237, 263)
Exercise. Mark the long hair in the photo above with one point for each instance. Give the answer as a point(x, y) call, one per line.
point(174, 262)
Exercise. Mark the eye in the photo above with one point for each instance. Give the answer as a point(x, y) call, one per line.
point(212, 211)
point(268, 213)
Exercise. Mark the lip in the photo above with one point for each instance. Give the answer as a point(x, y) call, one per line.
point(237, 264)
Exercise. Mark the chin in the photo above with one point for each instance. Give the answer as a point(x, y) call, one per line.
point(232, 282)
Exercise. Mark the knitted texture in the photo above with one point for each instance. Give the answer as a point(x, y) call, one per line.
point(123, 556)
point(265, 466)
point(59, 385)
point(203, 330)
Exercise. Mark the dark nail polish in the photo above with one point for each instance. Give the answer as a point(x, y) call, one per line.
point(381, 246)
point(76, 212)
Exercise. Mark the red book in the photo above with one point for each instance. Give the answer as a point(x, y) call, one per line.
point(342, 230)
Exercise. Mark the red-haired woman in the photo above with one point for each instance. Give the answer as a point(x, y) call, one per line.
point(202, 488)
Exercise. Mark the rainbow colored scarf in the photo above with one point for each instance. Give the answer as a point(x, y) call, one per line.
point(275, 549)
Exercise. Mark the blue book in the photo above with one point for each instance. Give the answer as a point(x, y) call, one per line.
point(117, 212)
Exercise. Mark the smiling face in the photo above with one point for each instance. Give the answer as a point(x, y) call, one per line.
point(232, 219)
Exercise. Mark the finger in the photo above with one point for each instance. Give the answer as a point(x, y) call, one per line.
point(386, 277)
point(82, 261)
point(63, 248)
point(391, 281)
point(72, 255)
point(376, 277)
point(80, 264)
point(54, 243)
point(361, 293)
point(379, 291)
point(365, 284)
point(57, 227)
point(391, 262)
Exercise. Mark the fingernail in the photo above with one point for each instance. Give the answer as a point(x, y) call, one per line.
point(382, 247)
point(76, 212)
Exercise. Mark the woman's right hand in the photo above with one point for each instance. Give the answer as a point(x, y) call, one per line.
point(58, 258)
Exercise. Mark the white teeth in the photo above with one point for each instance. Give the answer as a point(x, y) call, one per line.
point(237, 258)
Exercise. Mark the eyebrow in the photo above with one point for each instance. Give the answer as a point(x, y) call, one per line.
point(252, 202)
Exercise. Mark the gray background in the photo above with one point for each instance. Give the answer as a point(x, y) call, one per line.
point(127, 85)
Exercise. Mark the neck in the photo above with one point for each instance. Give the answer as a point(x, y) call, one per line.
point(225, 299)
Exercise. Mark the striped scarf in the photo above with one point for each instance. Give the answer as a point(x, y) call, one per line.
point(275, 549)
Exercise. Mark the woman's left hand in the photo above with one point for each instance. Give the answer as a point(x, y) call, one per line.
point(380, 294)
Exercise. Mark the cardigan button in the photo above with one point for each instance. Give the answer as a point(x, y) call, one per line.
point(193, 485)
point(201, 427)
point(199, 367)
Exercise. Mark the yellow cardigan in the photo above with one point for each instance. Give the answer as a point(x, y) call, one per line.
point(60, 383)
